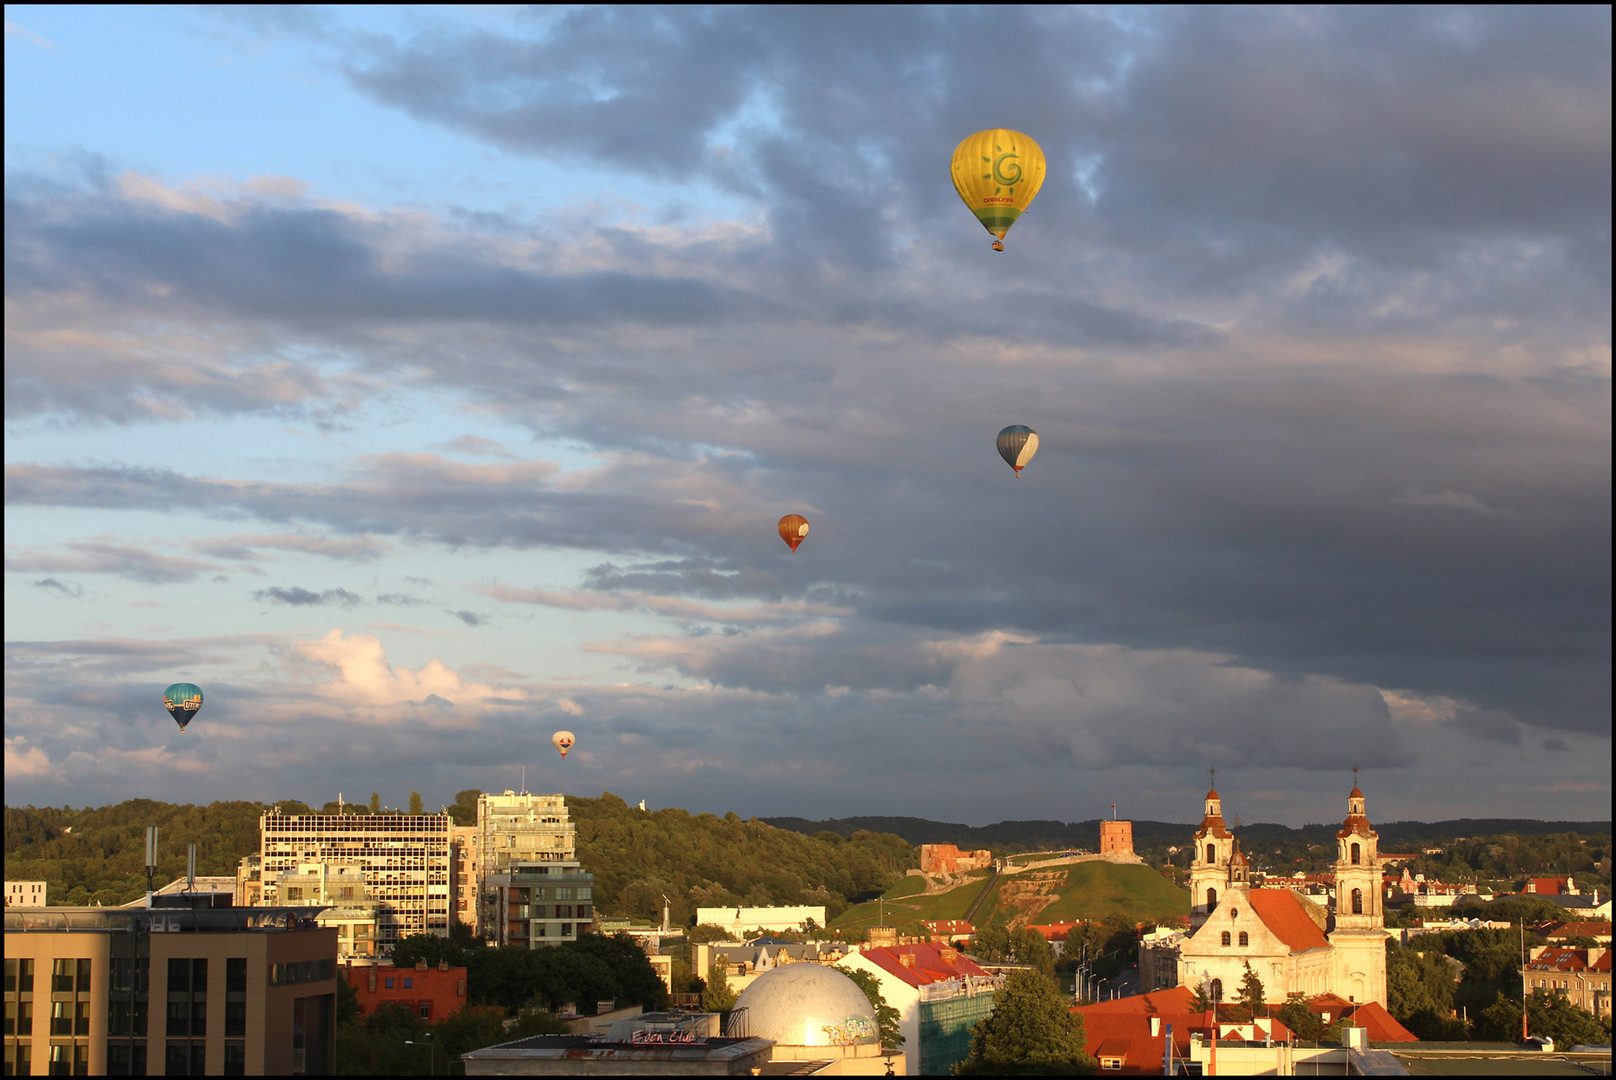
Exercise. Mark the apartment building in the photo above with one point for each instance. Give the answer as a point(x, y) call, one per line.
point(180, 988)
point(404, 859)
point(537, 904)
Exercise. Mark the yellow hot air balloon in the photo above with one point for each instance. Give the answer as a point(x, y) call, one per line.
point(997, 173)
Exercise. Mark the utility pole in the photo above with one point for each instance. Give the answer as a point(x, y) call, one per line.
point(1523, 979)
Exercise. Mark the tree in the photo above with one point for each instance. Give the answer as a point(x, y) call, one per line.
point(718, 997)
point(1546, 1014)
point(1031, 1030)
point(885, 1015)
point(1303, 1021)
point(428, 947)
point(416, 806)
point(375, 802)
point(464, 808)
point(1250, 997)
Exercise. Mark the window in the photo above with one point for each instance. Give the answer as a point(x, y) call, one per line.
point(409, 982)
point(235, 975)
point(389, 982)
point(1245, 939)
point(1211, 853)
point(1357, 901)
point(1211, 899)
point(1226, 939)
point(1355, 854)
point(1217, 990)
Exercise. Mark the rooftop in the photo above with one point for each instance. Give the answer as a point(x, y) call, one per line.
point(1281, 911)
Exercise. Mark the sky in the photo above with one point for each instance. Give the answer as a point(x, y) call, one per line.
point(421, 381)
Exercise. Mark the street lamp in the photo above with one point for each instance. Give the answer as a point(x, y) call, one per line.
point(432, 1058)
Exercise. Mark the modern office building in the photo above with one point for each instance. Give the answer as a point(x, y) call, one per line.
point(537, 904)
point(181, 988)
point(514, 898)
point(404, 859)
point(525, 828)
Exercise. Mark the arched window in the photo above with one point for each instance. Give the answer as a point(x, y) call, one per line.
point(1354, 854)
point(1245, 939)
point(1211, 853)
point(1211, 899)
point(1217, 990)
point(1357, 901)
point(1226, 939)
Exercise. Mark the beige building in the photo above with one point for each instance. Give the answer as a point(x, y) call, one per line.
point(465, 860)
point(176, 990)
point(25, 894)
point(404, 859)
point(345, 901)
point(1581, 976)
point(739, 921)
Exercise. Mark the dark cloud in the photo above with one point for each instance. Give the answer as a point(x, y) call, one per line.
point(470, 618)
point(301, 597)
point(60, 588)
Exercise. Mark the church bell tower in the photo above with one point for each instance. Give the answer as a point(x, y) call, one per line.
point(1357, 927)
point(1213, 845)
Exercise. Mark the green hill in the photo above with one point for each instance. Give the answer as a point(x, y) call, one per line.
point(1089, 890)
point(1060, 893)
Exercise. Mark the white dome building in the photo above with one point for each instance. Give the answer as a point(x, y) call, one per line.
point(816, 1013)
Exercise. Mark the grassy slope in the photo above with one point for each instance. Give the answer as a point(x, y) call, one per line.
point(1095, 890)
point(1091, 890)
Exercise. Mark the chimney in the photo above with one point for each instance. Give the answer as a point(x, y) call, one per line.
point(948, 953)
point(443, 965)
point(420, 965)
point(907, 959)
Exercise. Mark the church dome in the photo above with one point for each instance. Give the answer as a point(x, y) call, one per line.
point(808, 1005)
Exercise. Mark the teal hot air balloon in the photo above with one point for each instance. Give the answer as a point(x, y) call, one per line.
point(1017, 444)
point(182, 700)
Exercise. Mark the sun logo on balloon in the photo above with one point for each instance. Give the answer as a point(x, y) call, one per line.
point(999, 173)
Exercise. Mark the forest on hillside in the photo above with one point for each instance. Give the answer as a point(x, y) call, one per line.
point(97, 855)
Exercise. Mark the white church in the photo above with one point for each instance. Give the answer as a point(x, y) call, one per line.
point(1293, 943)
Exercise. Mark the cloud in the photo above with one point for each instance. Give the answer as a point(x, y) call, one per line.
point(245, 546)
point(470, 618)
point(123, 560)
point(25, 760)
point(301, 597)
point(61, 589)
point(365, 678)
point(18, 30)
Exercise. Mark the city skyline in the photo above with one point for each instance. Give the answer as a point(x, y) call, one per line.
point(419, 382)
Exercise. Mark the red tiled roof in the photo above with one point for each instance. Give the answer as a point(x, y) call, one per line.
point(1125, 1023)
point(1281, 911)
point(1562, 959)
point(1545, 886)
point(929, 965)
point(1588, 928)
point(1381, 1025)
point(1053, 931)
